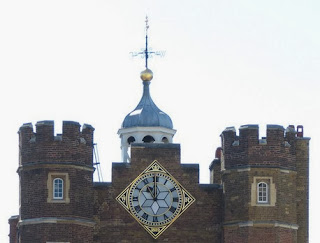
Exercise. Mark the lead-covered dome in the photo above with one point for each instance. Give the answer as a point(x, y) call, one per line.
point(147, 114)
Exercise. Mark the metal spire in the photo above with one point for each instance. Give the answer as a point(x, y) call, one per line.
point(146, 53)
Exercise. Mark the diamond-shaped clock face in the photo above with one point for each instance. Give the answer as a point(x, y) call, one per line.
point(155, 199)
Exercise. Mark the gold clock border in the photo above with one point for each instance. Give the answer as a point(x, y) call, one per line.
point(155, 231)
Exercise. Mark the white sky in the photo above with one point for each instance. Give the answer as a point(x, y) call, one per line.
point(227, 63)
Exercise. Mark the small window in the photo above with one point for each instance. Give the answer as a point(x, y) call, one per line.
point(57, 188)
point(58, 185)
point(262, 190)
point(131, 140)
point(148, 139)
point(165, 140)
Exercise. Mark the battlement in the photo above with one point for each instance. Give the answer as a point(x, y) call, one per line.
point(72, 145)
point(278, 148)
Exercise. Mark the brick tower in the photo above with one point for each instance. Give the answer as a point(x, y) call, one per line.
point(265, 185)
point(56, 195)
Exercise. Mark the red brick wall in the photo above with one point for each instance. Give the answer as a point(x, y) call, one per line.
point(42, 146)
point(13, 221)
point(215, 171)
point(201, 222)
point(302, 199)
point(250, 152)
point(41, 233)
point(259, 235)
point(34, 194)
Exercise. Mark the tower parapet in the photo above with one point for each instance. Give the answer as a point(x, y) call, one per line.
point(72, 145)
point(277, 149)
point(265, 183)
point(56, 180)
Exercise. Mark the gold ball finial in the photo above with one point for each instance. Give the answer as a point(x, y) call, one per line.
point(146, 75)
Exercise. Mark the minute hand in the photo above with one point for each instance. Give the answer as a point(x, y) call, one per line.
point(155, 185)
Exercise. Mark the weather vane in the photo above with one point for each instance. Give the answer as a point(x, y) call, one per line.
point(147, 53)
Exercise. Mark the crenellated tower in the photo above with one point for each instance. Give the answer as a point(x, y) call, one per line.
point(56, 180)
point(265, 183)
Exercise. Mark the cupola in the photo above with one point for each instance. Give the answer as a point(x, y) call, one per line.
point(147, 114)
point(146, 123)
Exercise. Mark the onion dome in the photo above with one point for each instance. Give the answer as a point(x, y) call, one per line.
point(147, 114)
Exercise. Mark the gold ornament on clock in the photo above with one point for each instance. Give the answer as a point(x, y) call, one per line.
point(155, 199)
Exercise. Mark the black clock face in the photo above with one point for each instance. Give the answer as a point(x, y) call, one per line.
point(155, 199)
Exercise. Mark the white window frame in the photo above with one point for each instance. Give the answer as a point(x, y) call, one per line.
point(57, 190)
point(66, 187)
point(262, 192)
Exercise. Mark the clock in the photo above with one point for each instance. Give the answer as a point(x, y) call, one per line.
point(155, 199)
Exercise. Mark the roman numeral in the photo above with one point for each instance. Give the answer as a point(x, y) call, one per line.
point(165, 217)
point(175, 199)
point(145, 216)
point(155, 219)
point(137, 208)
point(172, 189)
point(172, 209)
point(145, 181)
point(135, 198)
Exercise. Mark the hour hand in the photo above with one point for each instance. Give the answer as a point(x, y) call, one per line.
point(150, 191)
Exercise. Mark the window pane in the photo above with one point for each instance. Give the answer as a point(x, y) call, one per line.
point(262, 192)
point(58, 188)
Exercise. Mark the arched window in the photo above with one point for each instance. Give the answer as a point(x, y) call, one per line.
point(57, 188)
point(131, 140)
point(148, 139)
point(165, 140)
point(262, 190)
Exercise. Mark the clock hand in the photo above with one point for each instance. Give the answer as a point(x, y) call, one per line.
point(146, 183)
point(155, 185)
point(150, 191)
